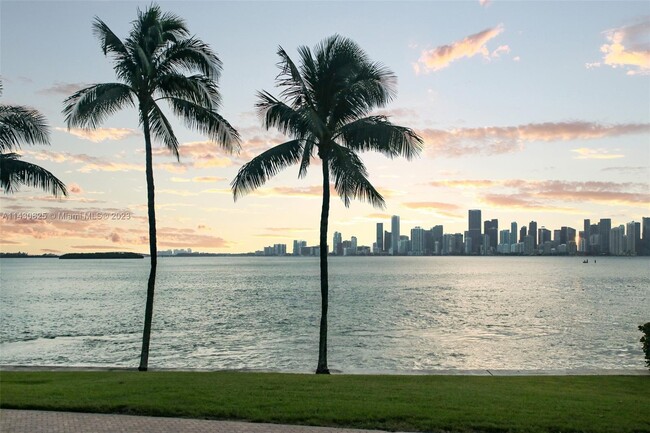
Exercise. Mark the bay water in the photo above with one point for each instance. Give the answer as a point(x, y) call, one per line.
point(387, 314)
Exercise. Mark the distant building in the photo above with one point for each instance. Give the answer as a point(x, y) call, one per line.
point(395, 234)
point(417, 241)
point(338, 244)
point(522, 234)
point(379, 237)
point(532, 232)
point(388, 238)
point(474, 230)
point(513, 233)
point(491, 229)
point(605, 226)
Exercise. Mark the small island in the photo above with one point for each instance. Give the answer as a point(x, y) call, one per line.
point(110, 255)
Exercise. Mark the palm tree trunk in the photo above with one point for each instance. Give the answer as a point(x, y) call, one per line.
point(324, 283)
point(153, 250)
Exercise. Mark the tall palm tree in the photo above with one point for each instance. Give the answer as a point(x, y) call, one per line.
point(152, 65)
point(20, 125)
point(325, 106)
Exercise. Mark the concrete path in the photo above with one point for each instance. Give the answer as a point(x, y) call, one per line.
point(34, 421)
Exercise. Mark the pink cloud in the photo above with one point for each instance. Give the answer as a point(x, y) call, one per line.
point(442, 56)
point(495, 140)
point(627, 47)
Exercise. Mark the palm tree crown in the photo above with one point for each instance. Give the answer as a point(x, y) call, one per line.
point(158, 61)
point(23, 125)
point(325, 106)
point(151, 64)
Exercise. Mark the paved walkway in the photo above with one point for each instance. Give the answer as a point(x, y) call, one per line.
point(34, 421)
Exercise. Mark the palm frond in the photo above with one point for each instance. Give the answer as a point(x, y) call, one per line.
point(19, 125)
point(298, 122)
point(379, 134)
point(350, 177)
point(295, 89)
point(306, 158)
point(189, 55)
point(89, 107)
point(255, 173)
point(162, 130)
point(207, 121)
point(199, 89)
point(14, 172)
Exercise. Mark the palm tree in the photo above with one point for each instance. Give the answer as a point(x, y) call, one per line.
point(153, 64)
point(19, 125)
point(325, 108)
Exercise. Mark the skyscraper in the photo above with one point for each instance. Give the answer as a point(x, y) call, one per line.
point(532, 231)
point(417, 241)
point(380, 237)
point(586, 226)
point(338, 244)
point(522, 234)
point(491, 229)
point(605, 226)
point(474, 230)
point(513, 233)
point(645, 240)
point(394, 230)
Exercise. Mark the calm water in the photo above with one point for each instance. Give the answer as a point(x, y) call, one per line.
point(386, 313)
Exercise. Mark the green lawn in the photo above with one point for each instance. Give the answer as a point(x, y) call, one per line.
point(407, 403)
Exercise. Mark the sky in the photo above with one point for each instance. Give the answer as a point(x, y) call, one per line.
point(528, 111)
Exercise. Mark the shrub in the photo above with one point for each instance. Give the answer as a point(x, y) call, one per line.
point(646, 341)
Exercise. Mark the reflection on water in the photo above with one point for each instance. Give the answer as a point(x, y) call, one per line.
point(386, 313)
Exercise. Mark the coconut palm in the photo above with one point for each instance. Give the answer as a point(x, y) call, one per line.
point(325, 106)
point(153, 64)
point(20, 125)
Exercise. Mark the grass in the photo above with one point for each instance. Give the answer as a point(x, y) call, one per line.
point(406, 403)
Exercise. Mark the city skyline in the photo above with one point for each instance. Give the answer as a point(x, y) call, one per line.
point(631, 238)
point(529, 111)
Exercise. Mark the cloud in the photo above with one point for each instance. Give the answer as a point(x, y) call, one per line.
point(446, 209)
point(495, 140)
point(89, 163)
point(628, 170)
point(377, 215)
point(442, 56)
point(101, 134)
point(198, 179)
point(484, 3)
point(74, 188)
point(65, 89)
point(586, 153)
point(628, 48)
point(542, 194)
point(97, 247)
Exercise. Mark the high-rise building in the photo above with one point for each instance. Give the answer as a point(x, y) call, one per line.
point(631, 238)
point(474, 230)
point(417, 241)
point(394, 229)
point(522, 234)
point(388, 238)
point(532, 231)
point(380, 237)
point(437, 233)
point(338, 244)
point(298, 246)
point(605, 226)
point(353, 245)
point(617, 240)
point(586, 226)
point(491, 229)
point(645, 239)
point(543, 235)
point(513, 232)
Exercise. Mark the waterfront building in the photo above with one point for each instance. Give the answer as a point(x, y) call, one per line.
point(473, 231)
point(491, 229)
point(532, 232)
point(353, 245)
point(604, 228)
point(437, 233)
point(380, 237)
point(529, 245)
point(632, 239)
point(513, 233)
point(417, 241)
point(394, 228)
point(403, 245)
point(298, 246)
point(617, 240)
point(544, 235)
point(338, 244)
point(387, 241)
point(522, 234)
point(586, 227)
point(645, 240)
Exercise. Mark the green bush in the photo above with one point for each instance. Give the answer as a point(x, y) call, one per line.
point(646, 341)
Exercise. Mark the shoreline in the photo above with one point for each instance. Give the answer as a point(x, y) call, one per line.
point(354, 372)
